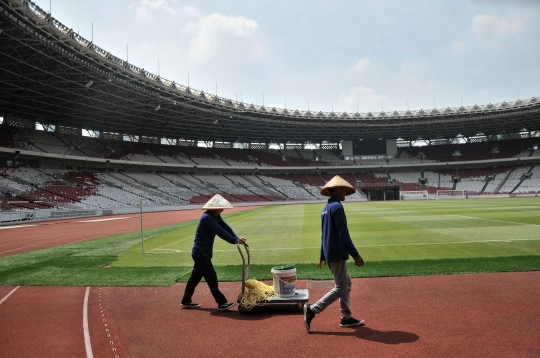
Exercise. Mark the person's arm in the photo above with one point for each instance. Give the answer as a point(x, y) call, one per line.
point(220, 231)
point(224, 231)
point(340, 222)
point(226, 226)
point(229, 229)
point(322, 259)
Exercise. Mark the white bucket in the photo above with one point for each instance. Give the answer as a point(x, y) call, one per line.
point(284, 280)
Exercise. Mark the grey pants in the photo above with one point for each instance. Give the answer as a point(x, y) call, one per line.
point(341, 290)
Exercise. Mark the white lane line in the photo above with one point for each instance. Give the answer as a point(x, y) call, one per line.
point(15, 227)
point(87, 343)
point(100, 220)
point(9, 294)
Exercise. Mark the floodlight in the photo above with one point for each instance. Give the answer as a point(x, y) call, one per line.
point(89, 84)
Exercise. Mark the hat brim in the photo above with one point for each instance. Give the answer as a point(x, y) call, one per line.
point(348, 190)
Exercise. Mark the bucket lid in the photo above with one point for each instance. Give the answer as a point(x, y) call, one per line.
point(283, 267)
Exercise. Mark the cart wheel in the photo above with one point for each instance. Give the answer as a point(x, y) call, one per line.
point(242, 309)
point(300, 307)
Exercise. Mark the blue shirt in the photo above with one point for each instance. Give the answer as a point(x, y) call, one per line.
point(336, 243)
point(209, 226)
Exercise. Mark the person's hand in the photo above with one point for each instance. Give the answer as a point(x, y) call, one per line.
point(321, 263)
point(359, 261)
point(241, 241)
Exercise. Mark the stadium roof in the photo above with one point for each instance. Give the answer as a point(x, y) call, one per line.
point(52, 75)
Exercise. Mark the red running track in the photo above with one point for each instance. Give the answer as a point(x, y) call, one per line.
point(26, 237)
point(487, 315)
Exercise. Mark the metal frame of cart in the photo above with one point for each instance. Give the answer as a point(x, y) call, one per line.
point(299, 299)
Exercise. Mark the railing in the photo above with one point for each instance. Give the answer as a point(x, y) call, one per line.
point(66, 34)
point(377, 185)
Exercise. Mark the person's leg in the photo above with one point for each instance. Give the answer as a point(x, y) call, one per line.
point(341, 287)
point(193, 281)
point(210, 276)
point(345, 300)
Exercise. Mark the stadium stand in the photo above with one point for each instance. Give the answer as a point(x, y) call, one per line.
point(48, 160)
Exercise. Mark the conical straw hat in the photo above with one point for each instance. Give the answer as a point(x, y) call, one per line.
point(338, 182)
point(217, 202)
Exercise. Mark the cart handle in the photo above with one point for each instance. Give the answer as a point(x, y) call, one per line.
point(245, 269)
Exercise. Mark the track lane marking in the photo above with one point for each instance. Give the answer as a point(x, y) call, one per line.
point(15, 226)
point(87, 344)
point(101, 220)
point(9, 294)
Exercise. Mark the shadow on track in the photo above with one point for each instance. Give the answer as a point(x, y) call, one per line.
point(369, 334)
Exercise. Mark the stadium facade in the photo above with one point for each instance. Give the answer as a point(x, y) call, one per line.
point(54, 79)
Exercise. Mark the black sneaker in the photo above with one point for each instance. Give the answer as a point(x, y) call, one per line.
point(226, 306)
point(308, 316)
point(351, 322)
point(190, 305)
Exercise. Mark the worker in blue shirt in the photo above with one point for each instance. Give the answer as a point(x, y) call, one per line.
point(210, 225)
point(336, 247)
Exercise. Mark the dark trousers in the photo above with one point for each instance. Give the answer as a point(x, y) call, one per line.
point(203, 268)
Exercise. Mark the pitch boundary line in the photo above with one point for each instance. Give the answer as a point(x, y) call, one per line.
point(502, 221)
point(385, 245)
point(388, 245)
point(172, 243)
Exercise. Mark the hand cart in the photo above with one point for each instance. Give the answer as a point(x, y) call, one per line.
point(300, 297)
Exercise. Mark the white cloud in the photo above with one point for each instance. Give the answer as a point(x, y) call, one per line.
point(144, 8)
point(230, 37)
point(361, 64)
point(457, 47)
point(492, 31)
point(367, 98)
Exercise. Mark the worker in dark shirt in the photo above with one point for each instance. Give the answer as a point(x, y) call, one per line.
point(336, 247)
point(210, 225)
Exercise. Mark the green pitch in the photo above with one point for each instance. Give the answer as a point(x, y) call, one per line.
point(382, 231)
point(395, 239)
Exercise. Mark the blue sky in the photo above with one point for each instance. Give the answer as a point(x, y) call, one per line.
point(328, 55)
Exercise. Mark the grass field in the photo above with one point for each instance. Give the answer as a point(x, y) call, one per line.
point(395, 238)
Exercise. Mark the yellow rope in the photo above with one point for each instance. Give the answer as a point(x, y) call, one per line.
point(256, 293)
